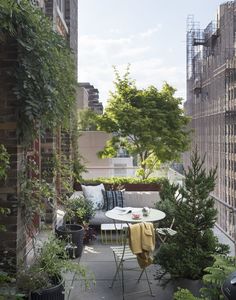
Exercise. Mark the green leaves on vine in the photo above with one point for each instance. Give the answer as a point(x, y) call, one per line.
point(45, 73)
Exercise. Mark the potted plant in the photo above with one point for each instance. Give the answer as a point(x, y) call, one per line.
point(78, 212)
point(189, 252)
point(43, 280)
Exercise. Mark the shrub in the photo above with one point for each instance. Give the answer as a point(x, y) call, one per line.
point(79, 209)
point(190, 251)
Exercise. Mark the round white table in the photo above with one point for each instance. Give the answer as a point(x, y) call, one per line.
point(154, 216)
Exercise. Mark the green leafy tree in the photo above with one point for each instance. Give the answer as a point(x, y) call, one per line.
point(88, 120)
point(190, 251)
point(148, 123)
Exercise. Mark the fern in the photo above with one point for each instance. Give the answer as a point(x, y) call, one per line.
point(216, 275)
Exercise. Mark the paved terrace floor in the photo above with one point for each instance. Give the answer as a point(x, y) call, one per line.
point(99, 259)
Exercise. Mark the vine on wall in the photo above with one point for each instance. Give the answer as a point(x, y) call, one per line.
point(45, 73)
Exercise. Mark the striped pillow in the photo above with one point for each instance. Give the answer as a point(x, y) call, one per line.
point(112, 199)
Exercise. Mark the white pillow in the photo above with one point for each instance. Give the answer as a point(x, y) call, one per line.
point(94, 193)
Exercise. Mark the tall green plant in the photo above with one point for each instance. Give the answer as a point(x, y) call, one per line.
point(45, 72)
point(190, 251)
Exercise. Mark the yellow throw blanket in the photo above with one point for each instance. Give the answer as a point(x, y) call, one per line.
point(142, 242)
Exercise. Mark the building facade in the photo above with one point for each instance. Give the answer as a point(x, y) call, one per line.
point(93, 97)
point(14, 241)
point(211, 103)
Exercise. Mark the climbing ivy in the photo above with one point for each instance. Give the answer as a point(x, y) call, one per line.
point(45, 72)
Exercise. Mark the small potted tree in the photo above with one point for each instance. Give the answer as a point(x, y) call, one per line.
point(43, 280)
point(78, 212)
point(190, 251)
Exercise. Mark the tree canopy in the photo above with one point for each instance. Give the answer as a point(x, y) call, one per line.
point(147, 122)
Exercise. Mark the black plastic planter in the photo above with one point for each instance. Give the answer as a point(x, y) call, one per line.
point(73, 234)
point(56, 292)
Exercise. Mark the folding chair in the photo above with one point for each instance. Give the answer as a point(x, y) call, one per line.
point(121, 255)
point(164, 233)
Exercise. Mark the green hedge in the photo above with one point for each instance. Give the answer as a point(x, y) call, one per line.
point(123, 180)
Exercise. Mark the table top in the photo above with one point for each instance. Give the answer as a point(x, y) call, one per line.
point(155, 215)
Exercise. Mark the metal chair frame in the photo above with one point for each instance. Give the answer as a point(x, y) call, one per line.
point(121, 254)
point(164, 233)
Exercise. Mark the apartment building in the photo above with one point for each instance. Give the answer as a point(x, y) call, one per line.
point(93, 96)
point(211, 103)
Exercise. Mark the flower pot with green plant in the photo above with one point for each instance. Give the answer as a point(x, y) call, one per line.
point(190, 251)
point(44, 279)
point(78, 212)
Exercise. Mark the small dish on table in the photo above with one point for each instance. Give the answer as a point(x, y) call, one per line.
point(136, 216)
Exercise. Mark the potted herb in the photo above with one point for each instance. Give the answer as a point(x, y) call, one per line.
point(44, 279)
point(78, 212)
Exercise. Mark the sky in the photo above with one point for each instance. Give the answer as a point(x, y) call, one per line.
point(150, 35)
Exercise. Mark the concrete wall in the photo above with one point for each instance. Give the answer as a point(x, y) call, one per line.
point(90, 142)
point(82, 98)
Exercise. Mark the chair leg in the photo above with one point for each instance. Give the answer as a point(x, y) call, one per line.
point(149, 285)
point(118, 266)
point(141, 275)
point(123, 283)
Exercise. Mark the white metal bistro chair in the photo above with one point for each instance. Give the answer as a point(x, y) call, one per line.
point(164, 233)
point(123, 254)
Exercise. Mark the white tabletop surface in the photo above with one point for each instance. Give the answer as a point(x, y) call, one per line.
point(155, 215)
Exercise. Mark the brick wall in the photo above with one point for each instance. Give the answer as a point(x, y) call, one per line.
point(9, 240)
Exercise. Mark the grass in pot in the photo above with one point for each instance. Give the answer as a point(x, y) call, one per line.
point(44, 278)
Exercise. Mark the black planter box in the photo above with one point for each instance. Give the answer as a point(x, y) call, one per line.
point(72, 233)
point(56, 292)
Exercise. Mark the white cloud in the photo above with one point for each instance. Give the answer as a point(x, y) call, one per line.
point(151, 31)
point(98, 55)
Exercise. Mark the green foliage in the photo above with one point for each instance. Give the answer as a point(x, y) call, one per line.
point(34, 194)
point(148, 123)
point(4, 166)
point(184, 294)
point(168, 194)
point(216, 275)
point(88, 120)
point(213, 280)
point(79, 209)
point(45, 72)
point(4, 162)
point(190, 251)
point(77, 159)
point(51, 262)
point(122, 180)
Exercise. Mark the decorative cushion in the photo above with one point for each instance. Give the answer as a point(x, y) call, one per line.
point(112, 199)
point(94, 193)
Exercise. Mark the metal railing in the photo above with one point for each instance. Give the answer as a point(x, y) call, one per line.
point(226, 218)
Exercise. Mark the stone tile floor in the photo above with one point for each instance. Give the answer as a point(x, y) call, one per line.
point(99, 259)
